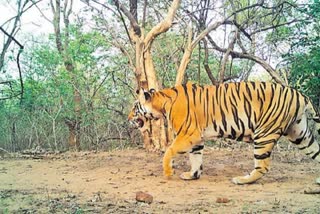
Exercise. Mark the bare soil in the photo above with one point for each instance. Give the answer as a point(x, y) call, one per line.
point(107, 182)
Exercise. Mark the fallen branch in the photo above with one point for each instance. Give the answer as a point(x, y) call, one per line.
point(311, 191)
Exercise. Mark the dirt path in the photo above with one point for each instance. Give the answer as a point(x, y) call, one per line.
point(107, 183)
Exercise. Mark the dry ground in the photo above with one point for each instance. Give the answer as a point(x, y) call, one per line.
point(107, 182)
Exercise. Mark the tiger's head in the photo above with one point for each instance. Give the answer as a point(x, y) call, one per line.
point(136, 116)
point(151, 104)
point(144, 109)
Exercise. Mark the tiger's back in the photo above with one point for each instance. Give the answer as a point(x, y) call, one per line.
point(240, 111)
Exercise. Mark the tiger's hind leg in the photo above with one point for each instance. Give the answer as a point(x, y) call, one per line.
point(300, 135)
point(262, 151)
point(195, 157)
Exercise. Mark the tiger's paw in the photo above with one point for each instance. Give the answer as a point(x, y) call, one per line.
point(186, 176)
point(168, 173)
point(189, 176)
point(243, 180)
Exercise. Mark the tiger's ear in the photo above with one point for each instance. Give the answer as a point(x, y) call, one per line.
point(144, 96)
point(152, 90)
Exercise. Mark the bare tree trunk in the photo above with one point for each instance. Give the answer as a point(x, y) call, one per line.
point(226, 57)
point(157, 136)
point(13, 137)
point(72, 123)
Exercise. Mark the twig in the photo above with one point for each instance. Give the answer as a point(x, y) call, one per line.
point(11, 37)
point(6, 151)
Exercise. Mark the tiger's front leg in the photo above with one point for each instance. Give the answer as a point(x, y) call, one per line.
point(195, 157)
point(180, 145)
point(167, 162)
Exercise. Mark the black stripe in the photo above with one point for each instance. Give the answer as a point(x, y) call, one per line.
point(224, 98)
point(233, 133)
point(208, 118)
point(207, 107)
point(247, 109)
point(240, 137)
point(310, 143)
point(197, 148)
point(194, 88)
point(316, 154)
point(263, 156)
point(196, 175)
point(217, 95)
point(238, 89)
point(196, 153)
point(299, 140)
point(221, 133)
point(253, 85)
point(258, 147)
point(264, 142)
point(223, 117)
point(259, 168)
point(214, 125)
point(249, 91)
point(185, 89)
point(181, 153)
point(262, 91)
point(242, 127)
point(235, 116)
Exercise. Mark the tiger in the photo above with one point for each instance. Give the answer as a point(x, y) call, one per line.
point(254, 112)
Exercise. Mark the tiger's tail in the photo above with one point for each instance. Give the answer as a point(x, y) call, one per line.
point(315, 115)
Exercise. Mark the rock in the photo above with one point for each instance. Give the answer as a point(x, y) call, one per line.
point(97, 198)
point(222, 200)
point(144, 197)
point(318, 181)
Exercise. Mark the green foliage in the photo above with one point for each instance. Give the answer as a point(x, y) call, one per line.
point(304, 55)
point(39, 121)
point(305, 73)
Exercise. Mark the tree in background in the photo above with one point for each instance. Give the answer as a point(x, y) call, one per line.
point(63, 46)
point(9, 87)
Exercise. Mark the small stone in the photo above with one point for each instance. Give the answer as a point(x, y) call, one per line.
point(318, 181)
point(144, 197)
point(222, 200)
